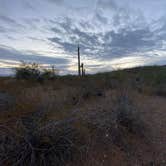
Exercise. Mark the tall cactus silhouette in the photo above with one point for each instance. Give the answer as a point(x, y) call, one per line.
point(79, 67)
point(82, 70)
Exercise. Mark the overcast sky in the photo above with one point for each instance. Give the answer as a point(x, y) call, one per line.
point(111, 33)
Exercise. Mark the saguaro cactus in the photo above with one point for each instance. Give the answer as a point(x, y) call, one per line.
point(79, 67)
point(82, 69)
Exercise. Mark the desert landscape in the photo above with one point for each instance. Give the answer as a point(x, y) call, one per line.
point(83, 83)
point(116, 118)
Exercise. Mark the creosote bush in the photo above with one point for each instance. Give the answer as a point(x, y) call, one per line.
point(34, 143)
point(127, 115)
point(51, 145)
point(33, 71)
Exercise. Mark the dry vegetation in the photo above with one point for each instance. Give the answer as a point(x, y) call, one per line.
point(116, 119)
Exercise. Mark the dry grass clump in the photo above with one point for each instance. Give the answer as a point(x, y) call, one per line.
point(55, 103)
point(127, 115)
point(53, 144)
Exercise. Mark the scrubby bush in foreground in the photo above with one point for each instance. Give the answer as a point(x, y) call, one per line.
point(50, 146)
point(117, 120)
point(128, 116)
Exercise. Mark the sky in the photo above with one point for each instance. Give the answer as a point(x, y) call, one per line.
point(112, 34)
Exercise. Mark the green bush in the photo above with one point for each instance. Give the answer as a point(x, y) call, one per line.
point(33, 71)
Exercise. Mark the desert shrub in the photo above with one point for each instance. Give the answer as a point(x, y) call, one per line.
point(127, 115)
point(33, 71)
point(27, 71)
point(36, 142)
point(49, 73)
point(117, 121)
point(54, 144)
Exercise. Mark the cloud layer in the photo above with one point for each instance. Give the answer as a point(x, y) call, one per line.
point(108, 31)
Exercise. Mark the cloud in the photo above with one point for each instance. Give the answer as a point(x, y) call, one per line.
point(129, 41)
point(59, 2)
point(8, 53)
point(104, 45)
point(28, 5)
point(106, 4)
point(87, 41)
point(7, 19)
point(2, 29)
point(101, 18)
point(105, 30)
point(10, 23)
